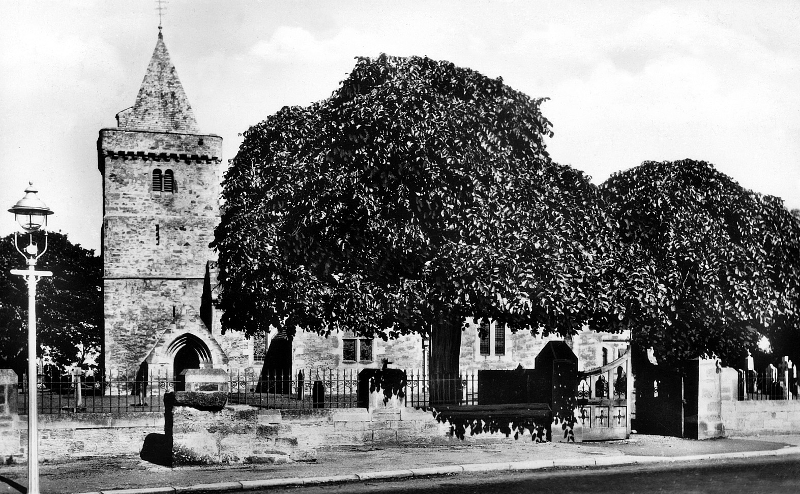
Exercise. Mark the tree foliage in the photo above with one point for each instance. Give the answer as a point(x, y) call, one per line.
point(69, 305)
point(417, 195)
point(712, 266)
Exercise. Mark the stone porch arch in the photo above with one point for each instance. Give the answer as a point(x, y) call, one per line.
point(181, 347)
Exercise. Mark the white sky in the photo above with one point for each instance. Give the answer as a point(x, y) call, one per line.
point(628, 81)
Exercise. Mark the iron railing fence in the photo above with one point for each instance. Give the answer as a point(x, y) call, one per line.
point(309, 388)
point(117, 392)
point(423, 391)
point(767, 385)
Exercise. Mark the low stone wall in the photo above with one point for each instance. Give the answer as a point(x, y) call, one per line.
point(744, 418)
point(720, 413)
point(244, 434)
point(77, 435)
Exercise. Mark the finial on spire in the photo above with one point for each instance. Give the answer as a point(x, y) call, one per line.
point(161, 7)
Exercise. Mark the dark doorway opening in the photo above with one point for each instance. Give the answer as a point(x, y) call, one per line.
point(276, 374)
point(190, 353)
point(186, 358)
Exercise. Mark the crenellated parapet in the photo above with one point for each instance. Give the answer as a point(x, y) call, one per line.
point(158, 146)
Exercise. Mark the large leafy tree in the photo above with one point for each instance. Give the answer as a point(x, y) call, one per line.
point(783, 332)
point(69, 305)
point(719, 262)
point(417, 195)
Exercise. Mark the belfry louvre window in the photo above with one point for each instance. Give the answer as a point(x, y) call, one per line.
point(157, 180)
point(169, 181)
point(163, 181)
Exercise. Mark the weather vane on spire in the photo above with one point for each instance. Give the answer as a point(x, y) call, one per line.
point(161, 7)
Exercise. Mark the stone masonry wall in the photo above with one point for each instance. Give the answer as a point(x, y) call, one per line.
point(711, 390)
point(139, 311)
point(70, 436)
point(151, 247)
point(168, 144)
point(314, 351)
point(721, 413)
point(752, 417)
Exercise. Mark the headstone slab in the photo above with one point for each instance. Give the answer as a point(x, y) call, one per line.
point(207, 380)
point(8, 376)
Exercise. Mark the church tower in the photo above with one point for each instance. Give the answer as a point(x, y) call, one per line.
point(160, 208)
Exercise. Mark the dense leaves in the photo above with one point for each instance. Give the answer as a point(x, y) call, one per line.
point(417, 195)
point(69, 305)
point(706, 266)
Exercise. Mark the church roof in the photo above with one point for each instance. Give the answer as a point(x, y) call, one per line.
point(161, 104)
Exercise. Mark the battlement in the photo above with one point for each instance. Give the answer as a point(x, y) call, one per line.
point(157, 145)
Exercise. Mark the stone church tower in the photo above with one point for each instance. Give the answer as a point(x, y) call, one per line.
point(160, 208)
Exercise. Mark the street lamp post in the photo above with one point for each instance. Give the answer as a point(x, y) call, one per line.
point(31, 214)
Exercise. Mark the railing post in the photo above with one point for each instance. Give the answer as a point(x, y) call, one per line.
point(785, 377)
point(76, 378)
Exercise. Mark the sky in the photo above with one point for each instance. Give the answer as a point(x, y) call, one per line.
point(626, 81)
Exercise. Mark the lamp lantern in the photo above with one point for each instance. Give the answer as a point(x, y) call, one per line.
point(31, 212)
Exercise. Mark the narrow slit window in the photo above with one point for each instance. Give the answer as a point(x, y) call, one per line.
point(483, 334)
point(169, 181)
point(157, 180)
point(500, 338)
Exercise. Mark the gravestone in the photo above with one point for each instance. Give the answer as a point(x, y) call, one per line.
point(9, 434)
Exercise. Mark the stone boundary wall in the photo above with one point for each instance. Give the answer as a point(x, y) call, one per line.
point(272, 435)
point(720, 413)
point(744, 418)
point(243, 434)
point(295, 433)
point(78, 435)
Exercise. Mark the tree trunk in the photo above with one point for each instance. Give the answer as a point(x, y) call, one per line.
point(445, 382)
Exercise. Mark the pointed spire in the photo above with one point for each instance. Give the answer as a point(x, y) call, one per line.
point(161, 105)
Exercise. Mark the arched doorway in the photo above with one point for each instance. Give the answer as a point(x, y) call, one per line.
point(190, 352)
point(186, 358)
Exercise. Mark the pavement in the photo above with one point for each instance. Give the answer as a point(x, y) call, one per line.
point(131, 475)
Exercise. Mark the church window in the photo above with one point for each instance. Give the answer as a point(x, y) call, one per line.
point(365, 350)
point(500, 339)
point(484, 333)
point(492, 339)
point(169, 181)
point(157, 180)
point(357, 349)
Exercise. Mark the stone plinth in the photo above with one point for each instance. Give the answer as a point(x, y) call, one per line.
point(236, 434)
point(207, 380)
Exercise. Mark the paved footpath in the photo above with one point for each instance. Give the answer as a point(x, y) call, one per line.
point(133, 475)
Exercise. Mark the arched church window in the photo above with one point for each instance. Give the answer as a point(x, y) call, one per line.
point(169, 181)
point(157, 180)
